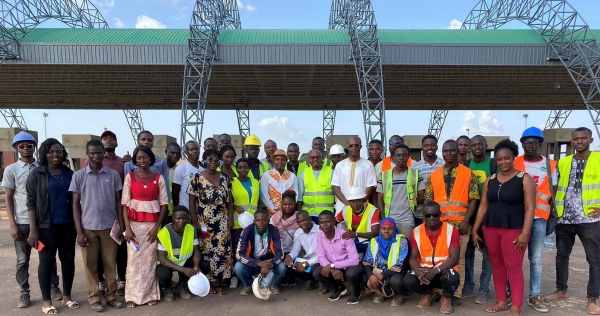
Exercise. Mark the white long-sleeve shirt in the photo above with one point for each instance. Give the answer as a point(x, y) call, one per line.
point(308, 242)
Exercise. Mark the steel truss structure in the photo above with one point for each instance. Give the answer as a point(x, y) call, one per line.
point(243, 116)
point(436, 123)
point(557, 119)
point(328, 123)
point(358, 17)
point(17, 17)
point(136, 125)
point(568, 36)
point(208, 19)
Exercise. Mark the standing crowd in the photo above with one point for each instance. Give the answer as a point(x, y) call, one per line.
point(342, 224)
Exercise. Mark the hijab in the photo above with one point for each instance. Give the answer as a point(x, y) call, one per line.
point(385, 245)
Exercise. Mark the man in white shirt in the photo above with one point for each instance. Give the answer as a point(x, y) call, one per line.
point(184, 173)
point(305, 239)
point(353, 171)
point(276, 181)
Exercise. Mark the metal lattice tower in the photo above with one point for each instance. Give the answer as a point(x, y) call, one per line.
point(208, 19)
point(568, 36)
point(136, 125)
point(557, 119)
point(436, 123)
point(358, 17)
point(17, 17)
point(243, 117)
point(328, 123)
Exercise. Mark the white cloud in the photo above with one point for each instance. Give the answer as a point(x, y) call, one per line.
point(281, 129)
point(247, 7)
point(118, 23)
point(455, 24)
point(146, 22)
point(104, 5)
point(483, 123)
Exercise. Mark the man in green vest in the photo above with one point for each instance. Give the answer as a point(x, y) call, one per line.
point(177, 251)
point(577, 204)
point(400, 190)
point(315, 193)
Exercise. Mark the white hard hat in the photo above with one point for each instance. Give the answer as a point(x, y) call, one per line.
point(199, 285)
point(260, 289)
point(356, 193)
point(245, 219)
point(336, 149)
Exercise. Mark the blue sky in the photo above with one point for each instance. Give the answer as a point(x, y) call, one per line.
point(293, 126)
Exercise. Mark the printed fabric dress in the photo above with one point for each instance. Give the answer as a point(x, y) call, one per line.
point(212, 213)
point(143, 209)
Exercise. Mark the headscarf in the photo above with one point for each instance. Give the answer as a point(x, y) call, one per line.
point(284, 224)
point(385, 245)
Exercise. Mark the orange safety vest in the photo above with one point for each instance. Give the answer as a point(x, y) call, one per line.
point(386, 163)
point(430, 256)
point(456, 208)
point(543, 194)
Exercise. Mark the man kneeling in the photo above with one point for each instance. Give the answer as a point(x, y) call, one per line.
point(259, 251)
point(177, 251)
point(438, 241)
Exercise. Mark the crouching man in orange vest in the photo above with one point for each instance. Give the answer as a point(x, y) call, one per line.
point(434, 252)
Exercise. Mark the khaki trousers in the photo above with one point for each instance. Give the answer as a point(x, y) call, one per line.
point(100, 244)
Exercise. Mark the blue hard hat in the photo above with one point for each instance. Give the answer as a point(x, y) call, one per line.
point(533, 132)
point(23, 137)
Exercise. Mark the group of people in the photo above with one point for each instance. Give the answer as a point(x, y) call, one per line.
point(340, 223)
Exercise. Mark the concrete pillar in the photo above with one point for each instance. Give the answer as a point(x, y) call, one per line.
point(557, 143)
point(415, 144)
point(492, 141)
point(75, 146)
point(237, 141)
point(160, 144)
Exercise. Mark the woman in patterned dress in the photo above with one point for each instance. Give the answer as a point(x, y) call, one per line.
point(211, 203)
point(144, 204)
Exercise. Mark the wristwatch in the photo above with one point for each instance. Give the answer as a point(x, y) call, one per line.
point(305, 264)
point(332, 265)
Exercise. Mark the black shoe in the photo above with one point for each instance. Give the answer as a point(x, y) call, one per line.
point(353, 299)
point(24, 301)
point(436, 298)
point(168, 296)
point(456, 301)
point(337, 293)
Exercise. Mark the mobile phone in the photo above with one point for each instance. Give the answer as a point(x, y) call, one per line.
point(40, 246)
point(480, 246)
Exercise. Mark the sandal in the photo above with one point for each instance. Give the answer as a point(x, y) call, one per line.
point(220, 291)
point(152, 303)
point(497, 309)
point(50, 310)
point(212, 290)
point(131, 304)
point(72, 305)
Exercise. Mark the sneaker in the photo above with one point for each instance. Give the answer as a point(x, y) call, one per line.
point(284, 281)
point(234, 283)
point(378, 298)
point(246, 291)
point(292, 281)
point(407, 294)
point(274, 290)
point(184, 291)
point(120, 288)
point(467, 293)
point(56, 294)
point(353, 299)
point(397, 300)
point(323, 289)
point(592, 307)
point(102, 287)
point(24, 301)
point(482, 298)
point(114, 304)
point(168, 296)
point(97, 307)
point(508, 299)
point(455, 300)
point(537, 304)
point(556, 296)
point(337, 294)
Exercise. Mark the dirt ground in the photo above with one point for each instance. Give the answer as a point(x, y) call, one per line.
point(291, 300)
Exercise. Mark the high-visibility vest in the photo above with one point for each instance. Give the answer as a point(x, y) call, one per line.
point(318, 193)
point(430, 256)
point(455, 208)
point(365, 221)
point(242, 198)
point(187, 244)
point(590, 186)
point(305, 165)
point(543, 194)
point(394, 254)
point(233, 168)
point(412, 180)
point(262, 168)
point(386, 163)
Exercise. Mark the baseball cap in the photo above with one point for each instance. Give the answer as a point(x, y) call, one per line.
point(108, 133)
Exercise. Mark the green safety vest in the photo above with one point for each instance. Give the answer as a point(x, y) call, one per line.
point(412, 181)
point(242, 198)
point(393, 256)
point(590, 186)
point(305, 165)
point(318, 193)
point(187, 244)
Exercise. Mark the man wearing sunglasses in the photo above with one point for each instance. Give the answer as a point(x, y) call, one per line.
point(224, 140)
point(14, 181)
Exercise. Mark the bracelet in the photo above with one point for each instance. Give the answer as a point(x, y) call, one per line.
point(439, 271)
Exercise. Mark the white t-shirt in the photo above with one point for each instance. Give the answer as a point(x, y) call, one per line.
point(537, 170)
point(348, 174)
point(182, 176)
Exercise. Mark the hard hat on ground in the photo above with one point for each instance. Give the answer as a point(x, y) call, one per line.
point(336, 149)
point(533, 132)
point(245, 219)
point(356, 193)
point(252, 140)
point(260, 288)
point(199, 285)
point(279, 152)
point(23, 136)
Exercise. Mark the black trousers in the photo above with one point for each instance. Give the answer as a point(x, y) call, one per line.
point(396, 282)
point(121, 263)
point(59, 238)
point(352, 275)
point(448, 281)
point(165, 274)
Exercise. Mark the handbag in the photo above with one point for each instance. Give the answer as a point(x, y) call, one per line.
point(553, 218)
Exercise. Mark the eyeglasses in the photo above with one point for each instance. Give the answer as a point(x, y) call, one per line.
point(530, 144)
point(224, 141)
point(436, 215)
point(353, 145)
point(395, 143)
point(26, 146)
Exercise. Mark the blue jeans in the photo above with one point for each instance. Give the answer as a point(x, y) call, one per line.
point(245, 273)
point(486, 270)
point(535, 252)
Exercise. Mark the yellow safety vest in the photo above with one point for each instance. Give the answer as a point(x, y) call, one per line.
point(412, 181)
point(392, 257)
point(242, 198)
point(318, 193)
point(590, 186)
point(233, 168)
point(187, 244)
point(365, 221)
point(262, 168)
